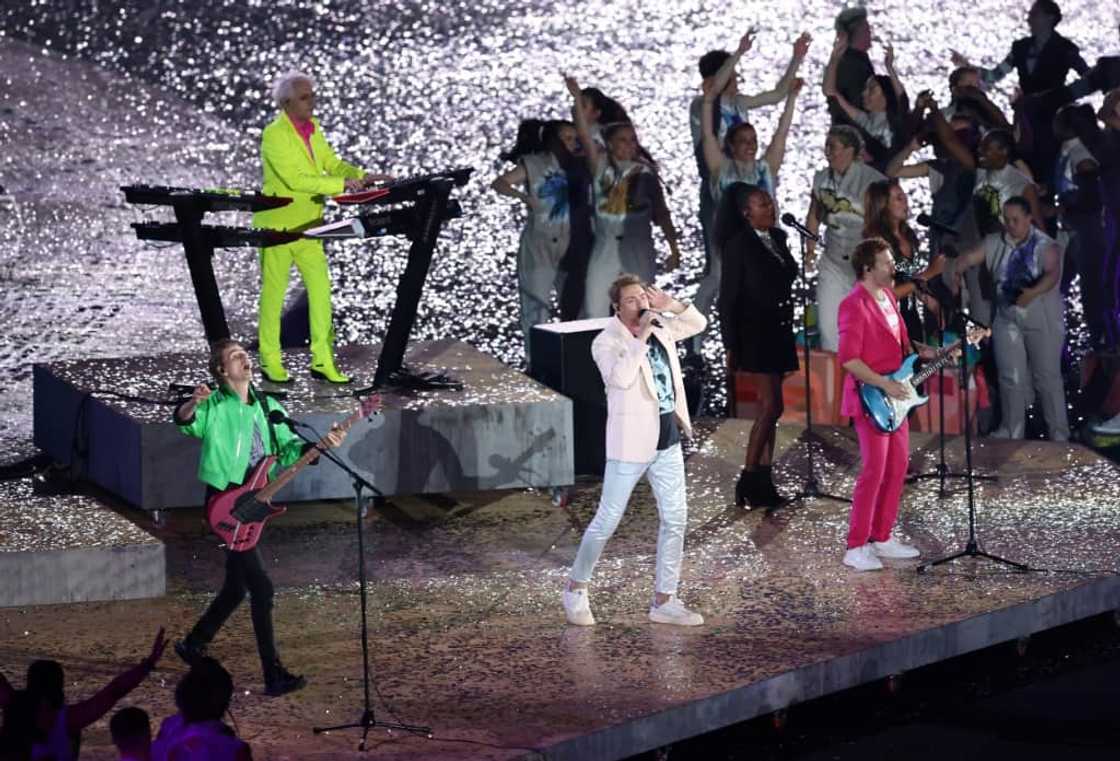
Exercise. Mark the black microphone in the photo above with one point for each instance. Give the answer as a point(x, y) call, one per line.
point(276, 416)
point(791, 221)
point(925, 220)
point(655, 322)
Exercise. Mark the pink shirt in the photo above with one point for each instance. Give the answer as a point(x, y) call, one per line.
point(304, 129)
point(891, 314)
point(866, 333)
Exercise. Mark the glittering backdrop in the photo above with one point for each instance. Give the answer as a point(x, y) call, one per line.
point(99, 94)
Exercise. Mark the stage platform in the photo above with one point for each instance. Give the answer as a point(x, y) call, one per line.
point(468, 636)
point(502, 431)
point(64, 549)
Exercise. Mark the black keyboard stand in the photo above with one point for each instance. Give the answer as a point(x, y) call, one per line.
point(430, 213)
point(200, 262)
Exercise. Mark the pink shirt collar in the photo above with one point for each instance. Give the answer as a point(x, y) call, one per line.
point(304, 128)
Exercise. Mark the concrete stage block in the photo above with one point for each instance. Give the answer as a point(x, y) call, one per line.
point(67, 548)
point(503, 430)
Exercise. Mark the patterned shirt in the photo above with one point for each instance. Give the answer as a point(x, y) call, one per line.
point(662, 376)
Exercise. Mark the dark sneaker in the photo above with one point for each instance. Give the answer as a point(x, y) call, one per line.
point(282, 681)
point(189, 652)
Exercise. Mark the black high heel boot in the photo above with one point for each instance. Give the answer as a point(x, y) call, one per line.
point(747, 492)
point(769, 490)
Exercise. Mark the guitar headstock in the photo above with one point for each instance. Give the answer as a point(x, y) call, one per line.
point(371, 405)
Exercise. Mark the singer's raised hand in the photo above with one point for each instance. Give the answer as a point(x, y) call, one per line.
point(658, 299)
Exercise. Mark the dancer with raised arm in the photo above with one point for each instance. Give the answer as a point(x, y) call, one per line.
point(628, 199)
point(713, 116)
point(735, 160)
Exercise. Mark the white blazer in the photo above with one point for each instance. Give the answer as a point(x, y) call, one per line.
point(633, 419)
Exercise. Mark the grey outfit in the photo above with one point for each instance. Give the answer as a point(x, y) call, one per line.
point(840, 197)
point(1027, 340)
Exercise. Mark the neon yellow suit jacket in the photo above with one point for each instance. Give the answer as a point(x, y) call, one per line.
point(290, 171)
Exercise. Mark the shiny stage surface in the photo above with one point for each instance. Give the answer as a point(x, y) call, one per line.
point(99, 95)
point(468, 636)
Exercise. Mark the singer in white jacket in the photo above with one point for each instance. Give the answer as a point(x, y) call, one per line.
point(646, 415)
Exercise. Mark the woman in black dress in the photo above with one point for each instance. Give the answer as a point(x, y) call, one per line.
point(756, 314)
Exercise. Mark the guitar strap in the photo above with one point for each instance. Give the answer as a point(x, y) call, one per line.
point(271, 430)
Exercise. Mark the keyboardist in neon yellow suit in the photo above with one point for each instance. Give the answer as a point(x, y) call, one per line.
point(300, 164)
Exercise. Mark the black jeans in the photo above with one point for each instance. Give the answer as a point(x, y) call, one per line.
point(244, 573)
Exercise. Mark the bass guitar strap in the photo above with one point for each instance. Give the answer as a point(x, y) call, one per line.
point(271, 430)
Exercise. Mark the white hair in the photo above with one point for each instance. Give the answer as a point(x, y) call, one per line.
point(284, 86)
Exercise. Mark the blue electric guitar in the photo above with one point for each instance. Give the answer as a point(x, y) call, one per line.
point(887, 413)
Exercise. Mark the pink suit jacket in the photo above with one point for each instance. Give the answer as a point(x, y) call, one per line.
point(865, 334)
point(633, 420)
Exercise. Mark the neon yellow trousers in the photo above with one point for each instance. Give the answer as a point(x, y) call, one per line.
point(276, 266)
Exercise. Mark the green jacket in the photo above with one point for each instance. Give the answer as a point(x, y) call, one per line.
point(290, 171)
point(225, 426)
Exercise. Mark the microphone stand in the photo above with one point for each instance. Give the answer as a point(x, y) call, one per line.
point(941, 471)
point(972, 546)
point(367, 721)
point(811, 489)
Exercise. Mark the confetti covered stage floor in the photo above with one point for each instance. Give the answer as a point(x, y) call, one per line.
point(502, 430)
point(62, 549)
point(467, 633)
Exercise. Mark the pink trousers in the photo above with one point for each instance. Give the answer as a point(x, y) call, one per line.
point(880, 483)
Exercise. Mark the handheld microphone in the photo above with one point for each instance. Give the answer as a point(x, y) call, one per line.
point(655, 322)
point(276, 416)
point(925, 220)
point(791, 221)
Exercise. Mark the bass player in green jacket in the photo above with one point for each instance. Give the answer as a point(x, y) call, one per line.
point(236, 435)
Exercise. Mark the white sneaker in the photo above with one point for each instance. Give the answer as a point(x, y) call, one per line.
point(673, 611)
point(577, 607)
point(862, 559)
point(892, 548)
point(1109, 427)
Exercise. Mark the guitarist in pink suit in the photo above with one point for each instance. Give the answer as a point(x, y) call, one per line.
point(873, 342)
point(236, 435)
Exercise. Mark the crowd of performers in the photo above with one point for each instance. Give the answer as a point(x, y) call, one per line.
point(1024, 205)
point(1021, 207)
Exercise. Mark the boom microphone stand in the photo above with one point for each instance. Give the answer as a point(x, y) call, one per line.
point(941, 471)
point(972, 547)
point(367, 721)
point(811, 489)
